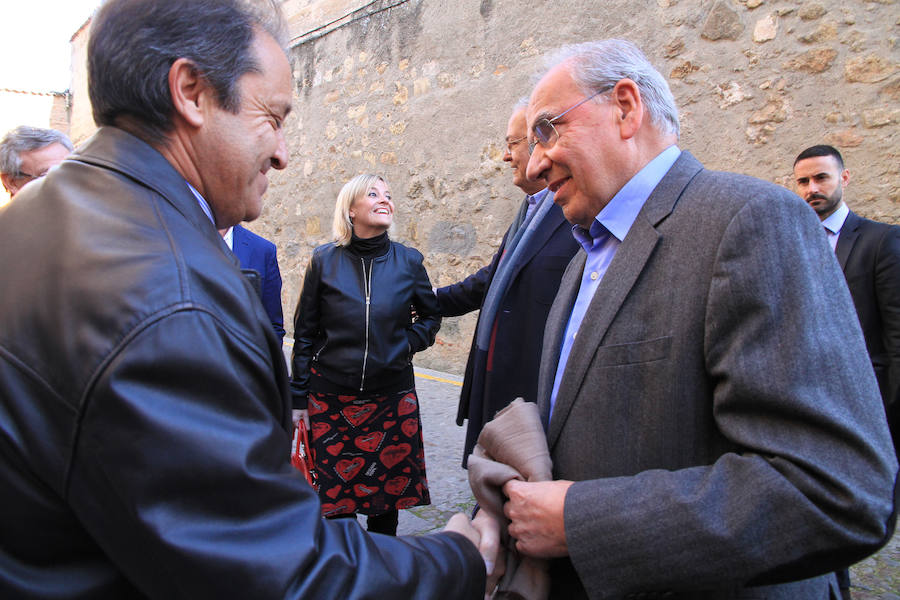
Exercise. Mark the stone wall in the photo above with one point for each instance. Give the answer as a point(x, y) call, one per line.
point(421, 92)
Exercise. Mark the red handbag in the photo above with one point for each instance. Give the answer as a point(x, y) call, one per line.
point(301, 457)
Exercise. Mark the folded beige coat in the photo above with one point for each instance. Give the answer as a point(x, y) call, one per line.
point(512, 446)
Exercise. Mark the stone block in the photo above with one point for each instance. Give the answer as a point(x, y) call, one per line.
point(722, 23)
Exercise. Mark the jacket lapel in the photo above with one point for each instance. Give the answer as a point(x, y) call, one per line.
point(849, 233)
point(630, 260)
point(545, 230)
point(555, 329)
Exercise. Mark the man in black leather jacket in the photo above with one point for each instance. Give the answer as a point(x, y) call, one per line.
point(144, 404)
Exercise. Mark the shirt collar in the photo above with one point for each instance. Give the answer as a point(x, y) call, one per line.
point(537, 198)
point(835, 220)
point(229, 238)
point(619, 214)
point(203, 204)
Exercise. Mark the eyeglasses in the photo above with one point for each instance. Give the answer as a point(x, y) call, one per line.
point(27, 176)
point(511, 143)
point(545, 133)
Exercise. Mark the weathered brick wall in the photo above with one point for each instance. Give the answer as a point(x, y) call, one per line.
point(421, 92)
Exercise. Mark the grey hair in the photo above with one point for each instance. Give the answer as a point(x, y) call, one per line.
point(602, 63)
point(26, 139)
point(521, 104)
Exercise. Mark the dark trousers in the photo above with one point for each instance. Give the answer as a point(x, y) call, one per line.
point(843, 578)
point(385, 523)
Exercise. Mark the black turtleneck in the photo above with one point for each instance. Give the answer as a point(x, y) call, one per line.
point(370, 247)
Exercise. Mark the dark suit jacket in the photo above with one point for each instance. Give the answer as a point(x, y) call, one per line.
point(869, 254)
point(720, 432)
point(520, 322)
point(257, 253)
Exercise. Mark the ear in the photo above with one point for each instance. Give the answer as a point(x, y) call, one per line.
point(189, 91)
point(845, 178)
point(8, 184)
point(628, 108)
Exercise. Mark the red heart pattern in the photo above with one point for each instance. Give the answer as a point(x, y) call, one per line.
point(370, 441)
point(344, 506)
point(410, 427)
point(407, 405)
point(368, 452)
point(316, 405)
point(357, 415)
point(348, 469)
point(319, 428)
point(364, 490)
point(397, 485)
point(393, 454)
point(407, 502)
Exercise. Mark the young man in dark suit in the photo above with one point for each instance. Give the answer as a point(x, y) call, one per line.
point(869, 255)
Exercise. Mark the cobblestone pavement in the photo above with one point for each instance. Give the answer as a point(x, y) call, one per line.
point(876, 578)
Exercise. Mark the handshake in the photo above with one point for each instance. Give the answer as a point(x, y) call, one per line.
point(521, 518)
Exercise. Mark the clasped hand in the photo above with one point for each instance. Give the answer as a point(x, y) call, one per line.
point(536, 513)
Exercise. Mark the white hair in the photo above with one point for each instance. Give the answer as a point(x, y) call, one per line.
point(601, 63)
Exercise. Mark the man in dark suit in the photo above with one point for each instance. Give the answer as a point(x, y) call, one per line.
point(259, 254)
point(711, 435)
point(514, 293)
point(869, 255)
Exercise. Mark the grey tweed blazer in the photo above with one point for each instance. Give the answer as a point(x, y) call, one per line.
point(717, 410)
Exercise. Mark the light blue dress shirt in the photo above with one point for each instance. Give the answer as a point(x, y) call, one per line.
point(533, 202)
point(834, 223)
point(608, 231)
point(203, 204)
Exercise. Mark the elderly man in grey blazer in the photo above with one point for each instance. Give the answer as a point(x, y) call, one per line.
point(711, 436)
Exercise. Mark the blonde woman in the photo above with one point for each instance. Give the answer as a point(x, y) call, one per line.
point(354, 339)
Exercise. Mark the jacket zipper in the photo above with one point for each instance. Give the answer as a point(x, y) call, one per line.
point(367, 281)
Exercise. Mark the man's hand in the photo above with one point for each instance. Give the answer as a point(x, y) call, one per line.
point(459, 523)
point(535, 511)
point(490, 548)
point(300, 413)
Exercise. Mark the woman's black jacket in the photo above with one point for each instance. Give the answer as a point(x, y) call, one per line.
point(358, 344)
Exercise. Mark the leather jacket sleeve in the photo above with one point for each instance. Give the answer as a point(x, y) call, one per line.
point(306, 329)
point(423, 330)
point(187, 515)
